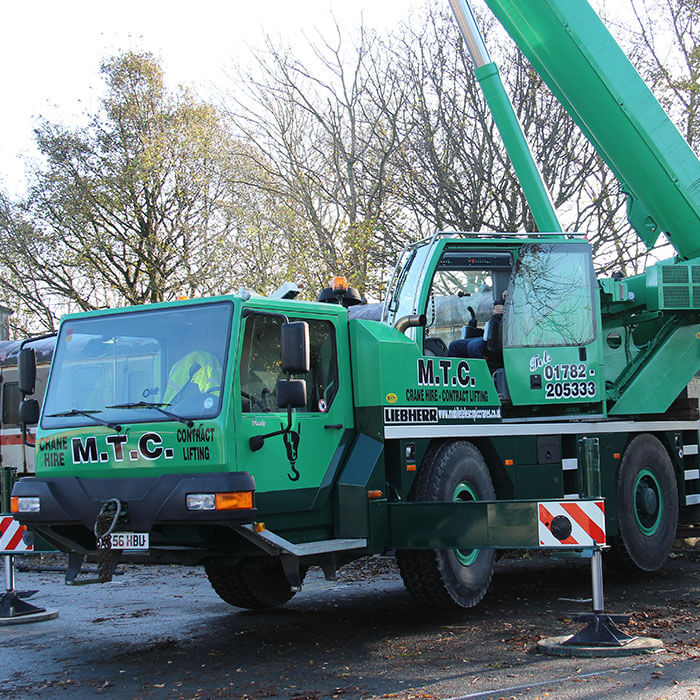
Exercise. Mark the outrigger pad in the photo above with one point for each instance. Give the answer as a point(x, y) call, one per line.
point(602, 631)
point(11, 605)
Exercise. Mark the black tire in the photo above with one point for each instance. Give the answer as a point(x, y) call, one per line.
point(647, 506)
point(449, 578)
point(253, 584)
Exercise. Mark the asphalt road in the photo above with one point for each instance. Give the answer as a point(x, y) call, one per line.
point(162, 632)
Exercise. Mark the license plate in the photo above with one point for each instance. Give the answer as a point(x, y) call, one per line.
point(129, 540)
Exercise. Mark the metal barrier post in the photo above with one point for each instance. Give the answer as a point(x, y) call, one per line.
point(601, 630)
point(9, 573)
point(597, 580)
point(589, 458)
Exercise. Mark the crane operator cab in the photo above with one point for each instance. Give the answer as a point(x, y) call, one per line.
point(528, 308)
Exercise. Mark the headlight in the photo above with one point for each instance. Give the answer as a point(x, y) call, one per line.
point(25, 504)
point(201, 501)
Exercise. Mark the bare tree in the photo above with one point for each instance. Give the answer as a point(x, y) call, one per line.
point(449, 163)
point(457, 172)
point(325, 145)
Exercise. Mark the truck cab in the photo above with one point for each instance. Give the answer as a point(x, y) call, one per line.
point(173, 410)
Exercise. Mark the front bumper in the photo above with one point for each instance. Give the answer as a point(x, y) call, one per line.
point(147, 502)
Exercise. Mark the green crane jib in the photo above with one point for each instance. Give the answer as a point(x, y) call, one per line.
point(576, 56)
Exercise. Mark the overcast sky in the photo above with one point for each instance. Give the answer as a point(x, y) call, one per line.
point(50, 50)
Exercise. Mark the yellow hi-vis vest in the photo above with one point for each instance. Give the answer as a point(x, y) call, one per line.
point(207, 377)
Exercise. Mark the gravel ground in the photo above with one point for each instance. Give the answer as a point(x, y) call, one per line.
point(162, 632)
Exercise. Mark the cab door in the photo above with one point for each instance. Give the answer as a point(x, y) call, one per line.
point(307, 457)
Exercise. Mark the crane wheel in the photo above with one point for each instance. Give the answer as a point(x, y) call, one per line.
point(255, 584)
point(647, 506)
point(449, 578)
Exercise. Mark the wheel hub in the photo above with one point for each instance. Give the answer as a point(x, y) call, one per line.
point(648, 501)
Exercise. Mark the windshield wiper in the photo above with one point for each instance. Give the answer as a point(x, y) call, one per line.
point(158, 407)
point(87, 414)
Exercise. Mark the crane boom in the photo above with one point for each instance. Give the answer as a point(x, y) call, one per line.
point(590, 75)
point(486, 72)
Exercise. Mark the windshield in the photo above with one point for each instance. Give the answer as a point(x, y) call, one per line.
point(156, 365)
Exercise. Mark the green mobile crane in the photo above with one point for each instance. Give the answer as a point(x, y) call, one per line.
point(261, 436)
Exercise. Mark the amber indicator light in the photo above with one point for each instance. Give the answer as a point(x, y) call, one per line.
point(235, 500)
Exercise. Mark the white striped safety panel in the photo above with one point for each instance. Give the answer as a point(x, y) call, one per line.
point(571, 523)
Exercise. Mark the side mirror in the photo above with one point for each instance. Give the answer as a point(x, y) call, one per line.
point(29, 412)
point(291, 393)
point(296, 354)
point(26, 370)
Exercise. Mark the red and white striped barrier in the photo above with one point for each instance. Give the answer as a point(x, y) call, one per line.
point(571, 523)
point(12, 536)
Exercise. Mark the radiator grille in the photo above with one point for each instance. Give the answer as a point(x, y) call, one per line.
point(674, 274)
point(675, 297)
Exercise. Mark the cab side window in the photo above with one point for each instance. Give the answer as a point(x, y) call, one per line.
point(452, 294)
point(261, 365)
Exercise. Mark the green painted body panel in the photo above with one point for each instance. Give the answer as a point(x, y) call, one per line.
point(391, 371)
point(295, 483)
point(465, 524)
point(200, 449)
point(555, 376)
point(590, 75)
point(363, 471)
point(660, 379)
